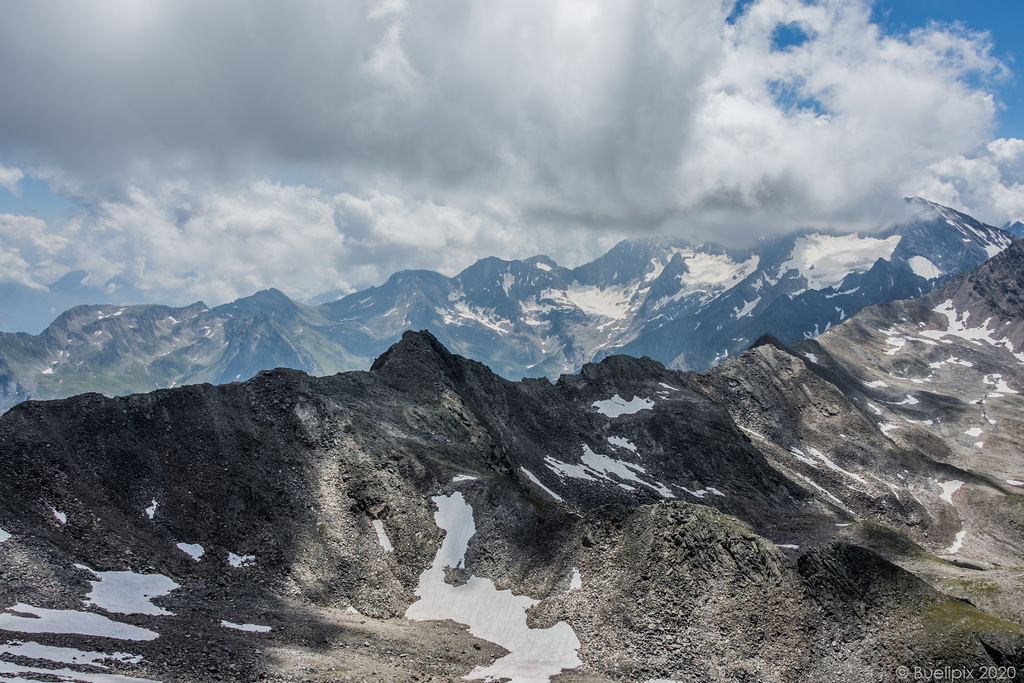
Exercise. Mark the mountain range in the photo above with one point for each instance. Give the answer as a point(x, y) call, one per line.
point(684, 305)
point(847, 507)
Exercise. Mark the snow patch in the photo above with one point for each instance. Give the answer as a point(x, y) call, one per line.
point(897, 343)
point(958, 543)
point(1014, 482)
point(610, 302)
point(922, 267)
point(193, 550)
point(956, 326)
point(382, 536)
point(64, 655)
point(127, 592)
point(151, 510)
point(543, 266)
point(788, 546)
point(620, 442)
point(4, 535)
point(715, 271)
point(877, 384)
point(16, 670)
point(811, 357)
point(825, 260)
point(241, 560)
point(61, 517)
point(576, 581)
point(602, 466)
point(747, 310)
point(973, 431)
point(462, 477)
point(617, 406)
point(949, 488)
point(255, 628)
point(41, 620)
point(498, 616)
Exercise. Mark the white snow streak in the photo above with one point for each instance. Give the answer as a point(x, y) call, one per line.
point(43, 620)
point(151, 510)
point(535, 480)
point(382, 536)
point(9, 669)
point(255, 628)
point(63, 655)
point(602, 466)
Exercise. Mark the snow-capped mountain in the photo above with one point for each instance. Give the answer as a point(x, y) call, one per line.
point(688, 306)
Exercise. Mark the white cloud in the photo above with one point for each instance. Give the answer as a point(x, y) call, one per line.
point(10, 179)
point(389, 135)
point(986, 184)
point(179, 243)
point(28, 251)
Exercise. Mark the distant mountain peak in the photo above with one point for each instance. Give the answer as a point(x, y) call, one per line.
point(686, 306)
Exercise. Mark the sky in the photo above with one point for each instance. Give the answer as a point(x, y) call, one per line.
point(187, 150)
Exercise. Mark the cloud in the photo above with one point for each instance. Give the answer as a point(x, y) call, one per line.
point(217, 149)
point(29, 251)
point(986, 184)
point(181, 243)
point(10, 179)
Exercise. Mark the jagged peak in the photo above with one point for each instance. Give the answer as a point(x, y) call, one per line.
point(769, 340)
point(414, 348)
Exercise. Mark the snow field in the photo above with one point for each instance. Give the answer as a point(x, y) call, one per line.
point(535, 655)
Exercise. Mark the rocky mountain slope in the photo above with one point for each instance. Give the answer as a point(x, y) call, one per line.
point(685, 305)
point(430, 520)
point(908, 414)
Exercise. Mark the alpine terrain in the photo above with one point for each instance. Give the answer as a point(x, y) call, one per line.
point(833, 509)
point(685, 305)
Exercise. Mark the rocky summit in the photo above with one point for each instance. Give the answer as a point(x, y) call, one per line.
point(791, 515)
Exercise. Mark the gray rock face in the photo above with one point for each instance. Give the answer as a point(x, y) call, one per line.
point(906, 422)
point(687, 306)
point(621, 507)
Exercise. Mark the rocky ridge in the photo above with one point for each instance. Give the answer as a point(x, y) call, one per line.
point(630, 504)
